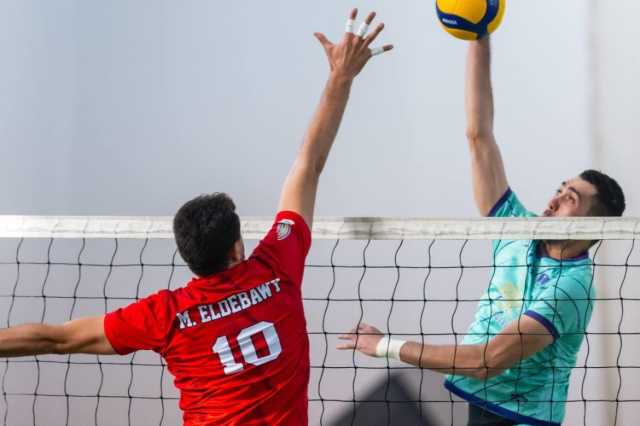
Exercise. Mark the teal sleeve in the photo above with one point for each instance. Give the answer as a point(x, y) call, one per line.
point(565, 307)
point(509, 206)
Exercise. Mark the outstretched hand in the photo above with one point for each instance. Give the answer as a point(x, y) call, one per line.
point(351, 54)
point(364, 339)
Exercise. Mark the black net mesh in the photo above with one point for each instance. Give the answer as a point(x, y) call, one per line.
point(421, 290)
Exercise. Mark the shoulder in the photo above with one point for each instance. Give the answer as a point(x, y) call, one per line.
point(288, 234)
point(160, 303)
point(566, 301)
point(164, 295)
point(287, 222)
point(509, 205)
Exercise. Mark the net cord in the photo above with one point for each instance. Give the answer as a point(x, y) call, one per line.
point(584, 228)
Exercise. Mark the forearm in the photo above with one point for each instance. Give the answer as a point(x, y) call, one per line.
point(301, 185)
point(325, 123)
point(479, 93)
point(82, 335)
point(28, 339)
point(463, 360)
point(518, 341)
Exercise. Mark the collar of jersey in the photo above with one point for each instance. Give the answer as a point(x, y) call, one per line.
point(545, 259)
point(219, 276)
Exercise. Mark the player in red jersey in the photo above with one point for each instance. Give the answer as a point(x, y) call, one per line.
point(234, 337)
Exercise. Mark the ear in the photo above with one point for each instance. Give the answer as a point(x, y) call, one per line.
point(236, 254)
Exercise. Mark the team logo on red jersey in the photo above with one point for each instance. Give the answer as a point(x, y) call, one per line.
point(284, 228)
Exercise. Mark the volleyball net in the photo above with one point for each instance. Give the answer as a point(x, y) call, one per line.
point(417, 279)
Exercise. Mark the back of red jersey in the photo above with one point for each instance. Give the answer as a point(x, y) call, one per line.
point(235, 342)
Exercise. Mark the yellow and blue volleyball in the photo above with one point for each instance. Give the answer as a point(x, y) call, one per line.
point(470, 19)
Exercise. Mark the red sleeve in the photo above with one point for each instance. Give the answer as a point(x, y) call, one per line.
point(142, 325)
point(286, 245)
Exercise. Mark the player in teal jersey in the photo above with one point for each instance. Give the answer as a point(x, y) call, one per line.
point(515, 362)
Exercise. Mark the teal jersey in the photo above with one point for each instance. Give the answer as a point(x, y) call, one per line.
point(558, 294)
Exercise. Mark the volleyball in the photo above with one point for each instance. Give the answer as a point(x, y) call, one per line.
point(470, 19)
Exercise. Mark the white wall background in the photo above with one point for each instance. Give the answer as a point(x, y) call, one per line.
point(132, 107)
point(128, 107)
point(614, 130)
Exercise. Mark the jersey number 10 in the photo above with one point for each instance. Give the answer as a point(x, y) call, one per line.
point(221, 347)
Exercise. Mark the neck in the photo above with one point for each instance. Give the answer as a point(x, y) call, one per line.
point(565, 249)
point(234, 262)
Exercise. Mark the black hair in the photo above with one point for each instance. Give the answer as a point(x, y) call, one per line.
point(609, 199)
point(206, 229)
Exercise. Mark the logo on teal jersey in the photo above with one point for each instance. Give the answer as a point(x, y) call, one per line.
point(543, 279)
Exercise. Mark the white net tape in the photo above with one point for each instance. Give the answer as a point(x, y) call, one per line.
point(590, 228)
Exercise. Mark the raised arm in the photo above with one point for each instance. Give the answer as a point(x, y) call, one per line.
point(518, 341)
point(346, 60)
point(487, 168)
point(83, 335)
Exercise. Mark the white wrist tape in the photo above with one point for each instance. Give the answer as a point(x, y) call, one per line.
point(349, 26)
point(389, 348)
point(362, 30)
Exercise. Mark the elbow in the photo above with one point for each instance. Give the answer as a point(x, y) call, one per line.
point(60, 341)
point(59, 347)
point(479, 127)
point(65, 347)
point(478, 136)
point(316, 166)
point(47, 339)
point(493, 362)
point(487, 372)
point(311, 161)
point(310, 168)
point(472, 133)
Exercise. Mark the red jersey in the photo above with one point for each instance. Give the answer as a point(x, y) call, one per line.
point(236, 342)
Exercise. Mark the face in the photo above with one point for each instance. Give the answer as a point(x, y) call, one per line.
point(573, 198)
